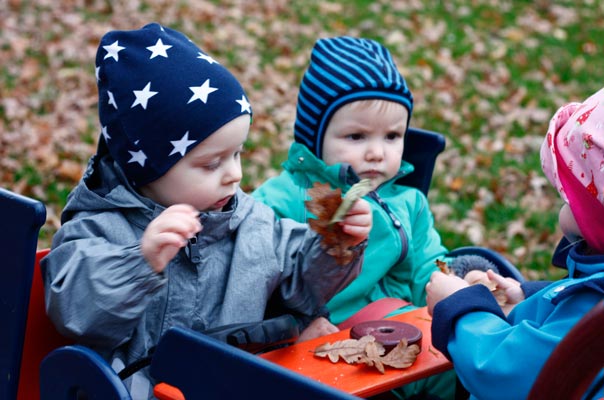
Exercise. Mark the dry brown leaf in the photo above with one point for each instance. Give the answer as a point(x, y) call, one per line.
point(323, 204)
point(367, 351)
point(402, 356)
point(442, 265)
point(349, 350)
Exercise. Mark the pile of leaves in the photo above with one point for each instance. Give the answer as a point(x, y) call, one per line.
point(366, 350)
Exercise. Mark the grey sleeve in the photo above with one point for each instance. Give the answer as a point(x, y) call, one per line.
point(312, 277)
point(97, 288)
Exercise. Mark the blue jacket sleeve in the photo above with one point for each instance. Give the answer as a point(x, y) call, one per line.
point(497, 357)
point(447, 311)
point(531, 287)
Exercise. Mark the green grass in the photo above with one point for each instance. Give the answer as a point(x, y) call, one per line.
point(487, 74)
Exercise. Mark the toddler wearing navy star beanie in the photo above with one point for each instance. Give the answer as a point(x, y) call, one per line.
point(159, 96)
point(158, 233)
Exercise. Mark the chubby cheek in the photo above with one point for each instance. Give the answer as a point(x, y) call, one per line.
point(331, 157)
point(568, 224)
point(193, 191)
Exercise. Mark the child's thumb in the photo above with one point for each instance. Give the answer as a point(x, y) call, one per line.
point(502, 283)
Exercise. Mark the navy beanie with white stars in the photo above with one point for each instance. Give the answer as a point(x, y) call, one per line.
point(159, 97)
point(342, 70)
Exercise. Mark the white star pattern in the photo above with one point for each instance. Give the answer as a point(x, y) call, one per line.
point(207, 58)
point(245, 106)
point(112, 51)
point(111, 99)
point(180, 146)
point(118, 77)
point(159, 49)
point(105, 133)
point(201, 92)
point(137, 156)
point(143, 96)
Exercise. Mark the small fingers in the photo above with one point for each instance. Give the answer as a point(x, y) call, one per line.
point(501, 281)
point(159, 249)
point(360, 206)
point(359, 220)
point(358, 231)
point(179, 219)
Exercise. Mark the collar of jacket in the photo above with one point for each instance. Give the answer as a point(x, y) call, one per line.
point(580, 264)
point(301, 159)
point(586, 273)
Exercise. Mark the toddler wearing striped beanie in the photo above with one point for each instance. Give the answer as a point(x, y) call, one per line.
point(353, 111)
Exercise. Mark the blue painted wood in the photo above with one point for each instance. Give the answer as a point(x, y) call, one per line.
point(20, 221)
point(203, 367)
point(77, 369)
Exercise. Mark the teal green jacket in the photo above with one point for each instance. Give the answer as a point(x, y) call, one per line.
point(403, 244)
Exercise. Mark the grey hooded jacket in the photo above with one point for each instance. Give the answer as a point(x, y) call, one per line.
point(101, 291)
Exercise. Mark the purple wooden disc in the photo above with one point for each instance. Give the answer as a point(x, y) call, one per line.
point(388, 333)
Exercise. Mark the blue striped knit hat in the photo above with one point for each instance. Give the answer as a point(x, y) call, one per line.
point(159, 97)
point(342, 70)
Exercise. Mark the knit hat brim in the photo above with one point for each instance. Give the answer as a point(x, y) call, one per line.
point(342, 70)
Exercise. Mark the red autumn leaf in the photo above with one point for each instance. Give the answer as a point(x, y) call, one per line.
point(324, 204)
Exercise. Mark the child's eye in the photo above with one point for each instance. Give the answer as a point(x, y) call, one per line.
point(354, 136)
point(393, 136)
point(212, 166)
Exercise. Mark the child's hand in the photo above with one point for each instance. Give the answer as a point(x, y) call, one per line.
point(511, 288)
point(168, 233)
point(358, 221)
point(319, 327)
point(441, 286)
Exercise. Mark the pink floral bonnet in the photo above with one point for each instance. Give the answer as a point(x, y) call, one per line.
point(572, 158)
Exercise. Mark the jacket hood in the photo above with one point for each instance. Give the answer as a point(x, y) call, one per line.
point(104, 187)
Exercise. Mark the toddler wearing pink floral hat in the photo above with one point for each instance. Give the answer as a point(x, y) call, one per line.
point(572, 158)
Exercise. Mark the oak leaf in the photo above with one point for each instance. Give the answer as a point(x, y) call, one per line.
point(402, 356)
point(349, 350)
point(366, 350)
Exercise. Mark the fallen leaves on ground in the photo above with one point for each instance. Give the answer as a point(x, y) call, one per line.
point(480, 73)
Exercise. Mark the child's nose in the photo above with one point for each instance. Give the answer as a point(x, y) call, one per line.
point(232, 172)
point(375, 151)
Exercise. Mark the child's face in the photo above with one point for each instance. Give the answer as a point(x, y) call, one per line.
point(208, 176)
point(368, 135)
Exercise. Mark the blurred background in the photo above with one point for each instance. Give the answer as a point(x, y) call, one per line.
point(488, 74)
